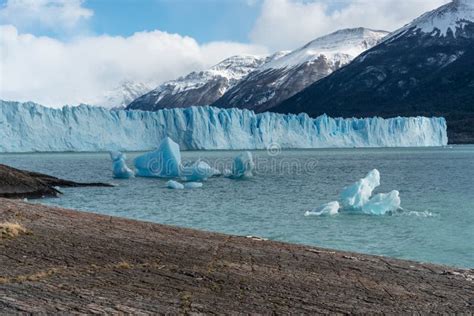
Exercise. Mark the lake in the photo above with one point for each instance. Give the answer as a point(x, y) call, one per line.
point(436, 188)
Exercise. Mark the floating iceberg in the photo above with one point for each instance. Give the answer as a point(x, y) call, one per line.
point(331, 208)
point(192, 185)
point(198, 171)
point(120, 169)
point(359, 193)
point(30, 127)
point(243, 166)
point(174, 185)
point(165, 162)
point(382, 203)
point(358, 198)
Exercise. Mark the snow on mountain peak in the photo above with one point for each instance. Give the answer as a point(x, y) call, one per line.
point(237, 67)
point(447, 18)
point(341, 45)
point(122, 95)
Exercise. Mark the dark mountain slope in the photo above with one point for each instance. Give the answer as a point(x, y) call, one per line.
point(426, 68)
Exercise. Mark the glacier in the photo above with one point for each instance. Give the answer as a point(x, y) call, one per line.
point(30, 127)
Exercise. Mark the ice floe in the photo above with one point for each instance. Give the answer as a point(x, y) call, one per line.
point(192, 185)
point(171, 184)
point(331, 208)
point(358, 198)
point(243, 166)
point(198, 171)
point(120, 168)
point(165, 162)
point(359, 193)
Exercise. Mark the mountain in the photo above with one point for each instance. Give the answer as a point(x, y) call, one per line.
point(199, 88)
point(280, 79)
point(122, 95)
point(29, 127)
point(425, 68)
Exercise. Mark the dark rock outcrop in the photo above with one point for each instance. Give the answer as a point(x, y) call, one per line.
point(15, 183)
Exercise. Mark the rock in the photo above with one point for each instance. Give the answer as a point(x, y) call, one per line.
point(15, 183)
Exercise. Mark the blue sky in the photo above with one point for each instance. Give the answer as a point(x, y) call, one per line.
point(204, 20)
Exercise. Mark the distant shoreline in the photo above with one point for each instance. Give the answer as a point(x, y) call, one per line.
point(70, 261)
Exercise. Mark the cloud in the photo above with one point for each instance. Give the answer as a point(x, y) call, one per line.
point(288, 24)
point(54, 72)
point(51, 15)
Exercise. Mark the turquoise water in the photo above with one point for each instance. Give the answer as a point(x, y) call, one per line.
point(436, 187)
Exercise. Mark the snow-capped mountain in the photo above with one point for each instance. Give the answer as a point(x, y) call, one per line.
point(199, 88)
point(444, 21)
point(281, 78)
point(424, 68)
point(125, 93)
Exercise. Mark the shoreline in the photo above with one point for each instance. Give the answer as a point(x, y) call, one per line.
point(73, 261)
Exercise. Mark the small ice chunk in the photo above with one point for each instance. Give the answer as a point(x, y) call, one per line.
point(359, 193)
point(165, 162)
point(383, 203)
point(174, 185)
point(120, 168)
point(198, 171)
point(227, 173)
point(243, 166)
point(331, 208)
point(192, 185)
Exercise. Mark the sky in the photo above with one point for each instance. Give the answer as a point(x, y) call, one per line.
point(58, 52)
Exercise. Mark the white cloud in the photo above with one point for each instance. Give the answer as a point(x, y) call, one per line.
point(287, 24)
point(52, 15)
point(54, 72)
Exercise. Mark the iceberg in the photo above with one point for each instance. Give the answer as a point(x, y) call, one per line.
point(29, 127)
point(192, 185)
point(165, 162)
point(243, 166)
point(120, 169)
point(358, 198)
point(382, 203)
point(171, 184)
point(198, 171)
point(331, 208)
point(359, 193)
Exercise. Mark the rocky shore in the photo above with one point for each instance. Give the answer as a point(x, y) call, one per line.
point(15, 183)
point(63, 261)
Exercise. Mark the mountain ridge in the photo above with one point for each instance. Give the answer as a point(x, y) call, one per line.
point(280, 79)
point(414, 71)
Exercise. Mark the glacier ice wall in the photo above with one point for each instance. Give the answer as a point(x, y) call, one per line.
point(28, 127)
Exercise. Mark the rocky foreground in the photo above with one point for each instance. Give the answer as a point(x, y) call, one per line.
point(68, 261)
point(15, 183)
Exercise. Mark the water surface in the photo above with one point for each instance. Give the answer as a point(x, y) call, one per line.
point(436, 187)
